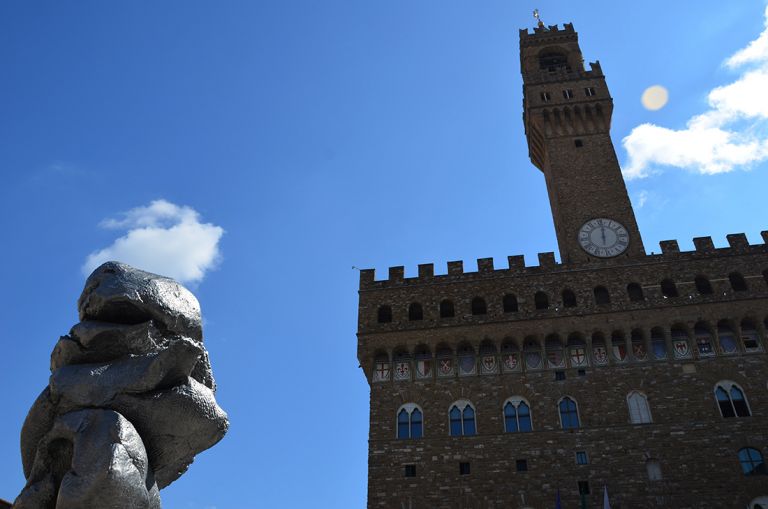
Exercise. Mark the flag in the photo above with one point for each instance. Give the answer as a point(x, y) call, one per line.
point(606, 502)
point(557, 501)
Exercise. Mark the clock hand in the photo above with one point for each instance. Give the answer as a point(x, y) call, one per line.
point(602, 232)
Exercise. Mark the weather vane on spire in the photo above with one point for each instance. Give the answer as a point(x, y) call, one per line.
point(538, 18)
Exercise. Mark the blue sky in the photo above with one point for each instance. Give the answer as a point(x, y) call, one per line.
point(268, 147)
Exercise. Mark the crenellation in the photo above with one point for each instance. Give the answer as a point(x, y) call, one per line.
point(397, 274)
point(367, 277)
point(426, 271)
point(704, 244)
point(737, 241)
point(455, 268)
point(547, 260)
point(516, 262)
point(669, 247)
point(485, 265)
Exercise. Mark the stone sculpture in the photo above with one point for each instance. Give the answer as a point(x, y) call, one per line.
point(130, 399)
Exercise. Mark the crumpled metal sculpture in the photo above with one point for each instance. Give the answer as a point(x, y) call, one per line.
point(130, 399)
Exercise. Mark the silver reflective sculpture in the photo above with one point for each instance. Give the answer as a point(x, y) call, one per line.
point(130, 400)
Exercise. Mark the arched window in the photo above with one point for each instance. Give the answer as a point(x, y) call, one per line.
point(446, 366)
point(752, 462)
point(726, 336)
point(552, 60)
point(517, 415)
point(410, 421)
point(703, 339)
point(639, 350)
point(541, 301)
point(749, 336)
point(668, 288)
point(554, 348)
point(510, 303)
point(569, 299)
point(680, 342)
point(462, 419)
point(423, 360)
point(489, 363)
point(602, 297)
point(658, 343)
point(577, 350)
point(619, 346)
point(653, 467)
point(478, 306)
point(532, 353)
point(703, 286)
point(446, 309)
point(759, 503)
point(569, 413)
point(385, 314)
point(467, 359)
point(731, 400)
point(415, 312)
point(635, 292)
point(599, 349)
point(737, 282)
point(382, 369)
point(639, 411)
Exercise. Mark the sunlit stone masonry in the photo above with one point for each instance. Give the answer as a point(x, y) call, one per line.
point(645, 375)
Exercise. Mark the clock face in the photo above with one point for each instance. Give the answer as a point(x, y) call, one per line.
point(603, 237)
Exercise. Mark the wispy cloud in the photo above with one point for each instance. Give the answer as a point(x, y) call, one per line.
point(164, 238)
point(732, 134)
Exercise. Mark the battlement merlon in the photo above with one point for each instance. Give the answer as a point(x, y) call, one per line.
point(546, 33)
point(670, 250)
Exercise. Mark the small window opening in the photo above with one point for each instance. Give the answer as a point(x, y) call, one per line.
point(510, 303)
point(583, 487)
point(541, 300)
point(385, 314)
point(654, 470)
point(559, 375)
point(446, 309)
point(568, 93)
point(521, 465)
point(545, 97)
point(635, 292)
point(581, 458)
point(737, 282)
point(582, 372)
point(703, 286)
point(569, 299)
point(589, 91)
point(464, 468)
point(478, 306)
point(602, 297)
point(410, 470)
point(415, 312)
point(578, 143)
point(668, 288)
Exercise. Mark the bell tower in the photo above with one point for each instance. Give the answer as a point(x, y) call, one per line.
point(567, 116)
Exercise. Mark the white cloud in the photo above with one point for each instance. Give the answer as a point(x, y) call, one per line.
point(163, 238)
point(642, 198)
point(733, 133)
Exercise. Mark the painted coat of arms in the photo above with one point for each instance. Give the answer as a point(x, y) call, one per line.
point(381, 372)
point(402, 371)
point(424, 368)
point(578, 356)
point(467, 365)
point(600, 355)
point(639, 351)
point(533, 359)
point(681, 348)
point(445, 367)
point(620, 352)
point(511, 362)
point(488, 364)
